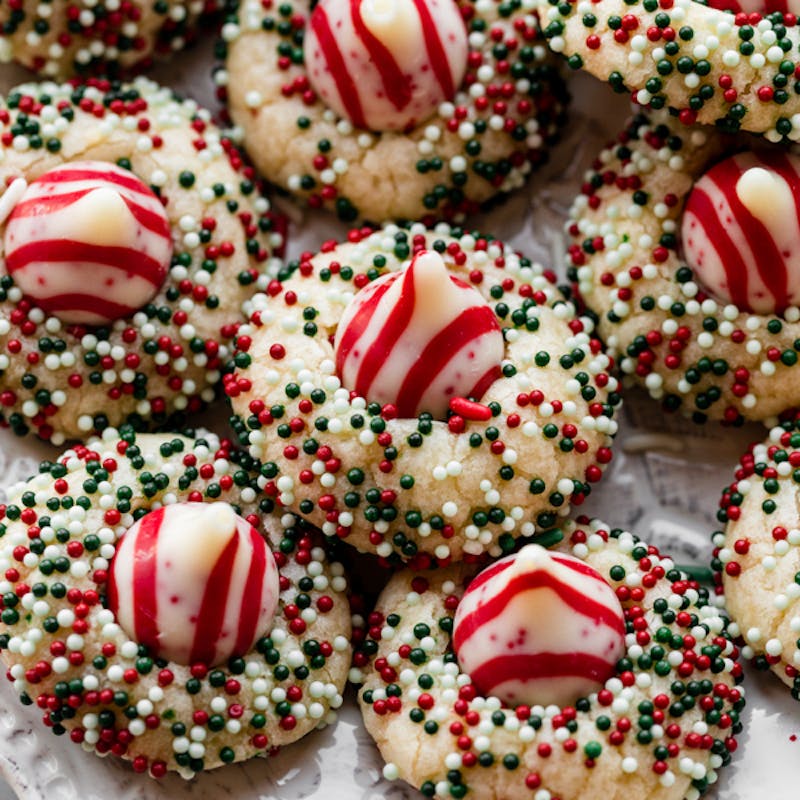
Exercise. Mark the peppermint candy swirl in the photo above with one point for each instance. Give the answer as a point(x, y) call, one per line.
point(89, 242)
point(539, 628)
point(418, 338)
point(194, 583)
point(741, 231)
point(386, 64)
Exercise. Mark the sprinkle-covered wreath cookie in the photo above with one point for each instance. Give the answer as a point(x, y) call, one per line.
point(60, 38)
point(154, 608)
point(423, 392)
point(595, 669)
point(131, 235)
point(685, 244)
point(736, 70)
point(390, 110)
point(756, 557)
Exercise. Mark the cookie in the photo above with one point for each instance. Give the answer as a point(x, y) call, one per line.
point(155, 608)
point(423, 394)
point(342, 106)
point(689, 259)
point(736, 71)
point(661, 725)
point(131, 235)
point(755, 556)
point(59, 39)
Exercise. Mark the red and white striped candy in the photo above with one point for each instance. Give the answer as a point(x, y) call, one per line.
point(539, 628)
point(760, 6)
point(88, 242)
point(386, 64)
point(193, 582)
point(417, 338)
point(740, 231)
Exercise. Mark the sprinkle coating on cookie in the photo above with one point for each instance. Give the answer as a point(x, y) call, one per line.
point(63, 381)
point(756, 558)
point(697, 354)
point(60, 38)
point(738, 71)
point(68, 655)
point(661, 727)
point(481, 142)
point(505, 466)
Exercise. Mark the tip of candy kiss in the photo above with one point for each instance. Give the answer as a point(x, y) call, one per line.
point(532, 556)
point(381, 11)
point(761, 191)
point(221, 513)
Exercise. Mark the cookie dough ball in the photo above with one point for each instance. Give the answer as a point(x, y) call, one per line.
point(59, 39)
point(392, 109)
point(423, 394)
point(756, 555)
point(132, 234)
point(712, 66)
point(155, 607)
point(661, 726)
point(684, 242)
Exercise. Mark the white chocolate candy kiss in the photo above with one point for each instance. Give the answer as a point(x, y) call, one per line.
point(539, 627)
point(417, 338)
point(740, 231)
point(193, 582)
point(87, 242)
point(386, 65)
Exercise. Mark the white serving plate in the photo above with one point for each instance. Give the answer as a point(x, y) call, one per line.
point(663, 485)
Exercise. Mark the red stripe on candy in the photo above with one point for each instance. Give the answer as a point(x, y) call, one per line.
point(778, 280)
point(123, 259)
point(387, 337)
point(112, 595)
point(396, 85)
point(345, 85)
point(54, 203)
point(360, 321)
point(91, 304)
point(489, 573)
point(469, 325)
point(731, 256)
point(483, 384)
point(579, 566)
point(252, 595)
point(211, 616)
point(71, 175)
point(519, 667)
point(145, 594)
point(150, 220)
point(436, 52)
point(769, 262)
point(49, 203)
point(494, 606)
